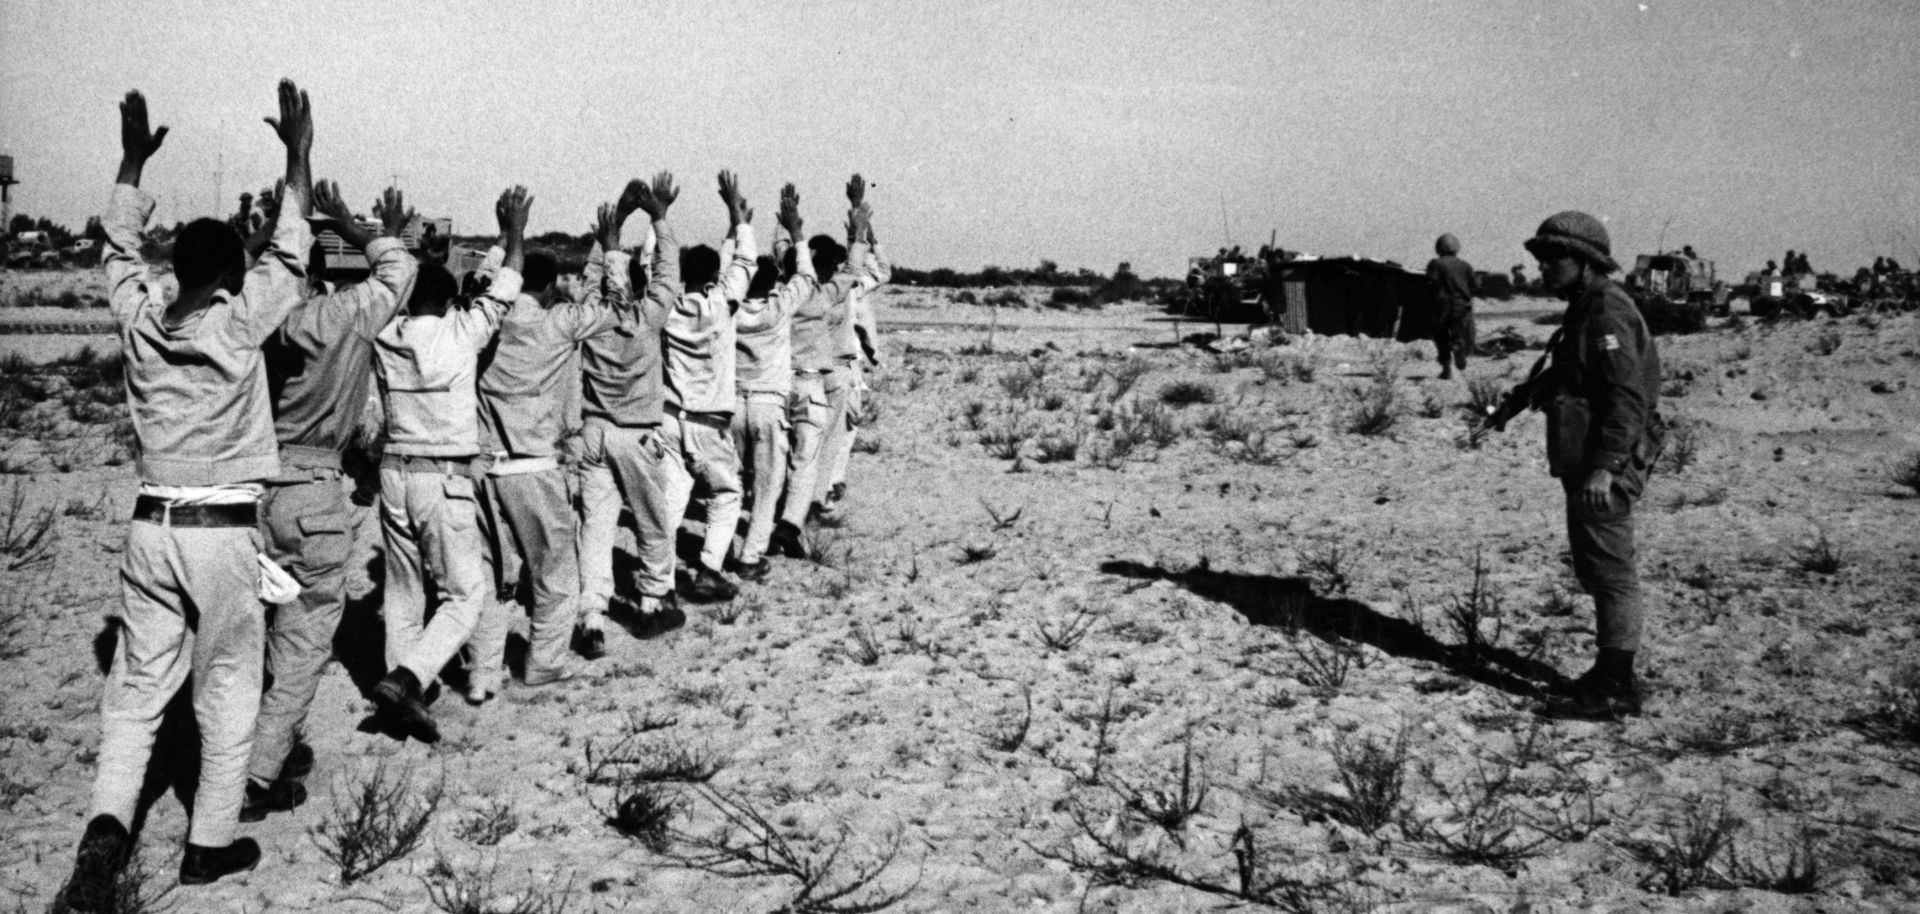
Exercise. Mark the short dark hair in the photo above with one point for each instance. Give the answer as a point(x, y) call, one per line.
point(434, 285)
point(206, 250)
point(539, 271)
point(828, 255)
point(766, 275)
point(699, 266)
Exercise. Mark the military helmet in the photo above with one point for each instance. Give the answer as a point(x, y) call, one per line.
point(1577, 233)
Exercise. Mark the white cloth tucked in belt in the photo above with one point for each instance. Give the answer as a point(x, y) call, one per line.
point(503, 465)
point(240, 493)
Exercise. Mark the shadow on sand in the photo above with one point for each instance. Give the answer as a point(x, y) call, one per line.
point(1289, 603)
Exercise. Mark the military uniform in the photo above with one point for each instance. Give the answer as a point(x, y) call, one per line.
point(320, 368)
point(1601, 394)
point(1453, 290)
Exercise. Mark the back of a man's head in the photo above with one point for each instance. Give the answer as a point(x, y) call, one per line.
point(699, 267)
point(828, 255)
point(432, 289)
point(766, 275)
point(205, 251)
point(539, 272)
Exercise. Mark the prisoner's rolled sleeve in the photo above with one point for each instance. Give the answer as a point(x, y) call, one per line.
point(128, 209)
point(276, 284)
point(481, 318)
point(738, 271)
point(1616, 350)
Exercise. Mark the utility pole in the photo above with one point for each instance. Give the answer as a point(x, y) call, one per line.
point(6, 195)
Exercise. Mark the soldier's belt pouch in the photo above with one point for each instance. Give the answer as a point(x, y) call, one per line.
point(1568, 420)
point(1646, 452)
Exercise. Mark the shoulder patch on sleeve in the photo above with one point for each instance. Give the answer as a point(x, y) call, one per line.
point(1609, 342)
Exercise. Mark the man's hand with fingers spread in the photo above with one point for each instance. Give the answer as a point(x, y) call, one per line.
point(294, 127)
point(790, 212)
point(606, 227)
point(657, 198)
point(138, 142)
point(394, 214)
point(512, 211)
point(738, 211)
point(330, 212)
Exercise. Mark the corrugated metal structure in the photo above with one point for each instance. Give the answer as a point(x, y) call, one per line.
point(1352, 296)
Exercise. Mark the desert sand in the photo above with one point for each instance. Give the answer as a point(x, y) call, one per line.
point(1050, 676)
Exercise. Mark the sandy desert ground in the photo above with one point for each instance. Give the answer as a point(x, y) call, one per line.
point(1078, 648)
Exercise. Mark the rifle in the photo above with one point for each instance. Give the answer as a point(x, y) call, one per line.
point(1521, 398)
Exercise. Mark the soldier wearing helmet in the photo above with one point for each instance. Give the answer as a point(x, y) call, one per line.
point(1599, 386)
point(1453, 291)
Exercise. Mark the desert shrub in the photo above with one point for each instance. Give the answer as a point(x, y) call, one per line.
point(1186, 393)
point(27, 537)
point(1827, 343)
point(1375, 410)
point(1026, 379)
point(1692, 839)
point(1148, 423)
point(1007, 297)
point(1478, 615)
point(376, 819)
point(829, 875)
point(965, 297)
point(471, 889)
point(1372, 772)
point(1057, 447)
point(1822, 556)
point(1068, 296)
point(1127, 374)
point(487, 825)
point(1682, 447)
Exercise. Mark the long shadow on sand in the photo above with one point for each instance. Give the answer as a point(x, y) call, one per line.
point(1289, 603)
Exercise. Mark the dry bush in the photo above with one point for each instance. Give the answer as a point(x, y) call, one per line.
point(459, 889)
point(1688, 851)
point(831, 880)
point(27, 537)
point(1488, 821)
point(1127, 374)
point(1822, 556)
point(487, 826)
point(1473, 612)
point(1375, 410)
point(1187, 393)
point(376, 819)
point(1682, 447)
point(1064, 636)
point(1907, 472)
point(1373, 777)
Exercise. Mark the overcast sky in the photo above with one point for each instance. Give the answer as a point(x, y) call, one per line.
point(1006, 132)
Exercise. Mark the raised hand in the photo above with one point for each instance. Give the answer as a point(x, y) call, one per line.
point(856, 191)
point(136, 141)
point(392, 211)
point(330, 210)
point(606, 227)
point(655, 199)
point(630, 199)
point(512, 211)
point(790, 212)
point(269, 200)
point(859, 224)
point(738, 211)
point(294, 126)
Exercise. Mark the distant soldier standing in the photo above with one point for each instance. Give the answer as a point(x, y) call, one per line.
point(1453, 291)
point(1600, 387)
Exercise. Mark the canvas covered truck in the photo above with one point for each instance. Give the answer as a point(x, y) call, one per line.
point(1675, 292)
point(1225, 287)
point(345, 262)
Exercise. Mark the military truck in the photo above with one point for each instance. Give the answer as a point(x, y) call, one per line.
point(1675, 292)
point(1228, 286)
point(345, 262)
point(32, 250)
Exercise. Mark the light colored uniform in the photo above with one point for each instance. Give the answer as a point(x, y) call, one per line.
point(815, 357)
point(620, 447)
point(321, 365)
point(854, 338)
point(763, 373)
point(201, 414)
point(527, 509)
point(429, 512)
point(700, 399)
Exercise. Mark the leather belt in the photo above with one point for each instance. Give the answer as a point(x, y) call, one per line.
point(159, 511)
point(408, 463)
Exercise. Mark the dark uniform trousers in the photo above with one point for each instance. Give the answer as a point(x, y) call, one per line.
point(1453, 332)
point(1603, 561)
point(308, 530)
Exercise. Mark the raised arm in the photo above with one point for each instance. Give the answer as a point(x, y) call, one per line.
point(386, 290)
point(482, 317)
point(128, 210)
point(276, 284)
point(605, 305)
point(793, 290)
point(740, 252)
point(663, 288)
point(259, 229)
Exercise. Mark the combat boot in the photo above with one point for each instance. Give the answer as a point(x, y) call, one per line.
point(787, 541)
point(1596, 696)
point(104, 851)
point(201, 865)
point(283, 795)
point(399, 694)
point(710, 586)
